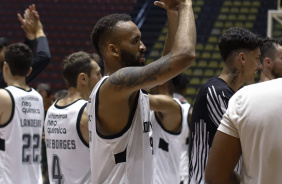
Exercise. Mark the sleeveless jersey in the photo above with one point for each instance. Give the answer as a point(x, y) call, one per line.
point(124, 158)
point(168, 150)
point(20, 138)
point(68, 154)
point(184, 157)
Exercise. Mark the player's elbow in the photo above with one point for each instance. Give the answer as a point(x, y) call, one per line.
point(186, 54)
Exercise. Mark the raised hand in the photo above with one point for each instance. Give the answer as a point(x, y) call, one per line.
point(31, 23)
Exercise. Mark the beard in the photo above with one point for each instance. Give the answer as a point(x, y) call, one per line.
point(276, 73)
point(128, 59)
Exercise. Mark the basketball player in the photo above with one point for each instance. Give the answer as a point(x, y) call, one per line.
point(251, 128)
point(119, 113)
point(169, 119)
point(271, 58)
point(66, 123)
point(240, 52)
point(170, 131)
point(21, 120)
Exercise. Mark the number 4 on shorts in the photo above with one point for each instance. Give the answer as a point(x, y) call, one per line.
point(56, 171)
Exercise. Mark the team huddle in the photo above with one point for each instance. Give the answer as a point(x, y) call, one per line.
point(132, 125)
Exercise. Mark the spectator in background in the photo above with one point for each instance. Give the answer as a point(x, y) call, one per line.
point(240, 52)
point(35, 37)
point(271, 58)
point(60, 94)
point(45, 91)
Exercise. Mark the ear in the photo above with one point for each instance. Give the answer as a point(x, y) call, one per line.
point(29, 71)
point(6, 67)
point(242, 57)
point(113, 50)
point(82, 78)
point(267, 62)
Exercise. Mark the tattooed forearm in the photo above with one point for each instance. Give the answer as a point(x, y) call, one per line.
point(234, 74)
point(132, 76)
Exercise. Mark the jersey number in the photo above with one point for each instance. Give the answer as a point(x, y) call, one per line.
point(56, 171)
point(31, 148)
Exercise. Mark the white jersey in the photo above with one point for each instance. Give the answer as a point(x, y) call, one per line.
point(20, 139)
point(254, 116)
point(168, 148)
point(68, 154)
point(184, 157)
point(125, 158)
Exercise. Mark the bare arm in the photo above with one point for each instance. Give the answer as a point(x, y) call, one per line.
point(224, 155)
point(181, 56)
point(5, 106)
point(170, 111)
point(172, 15)
point(125, 82)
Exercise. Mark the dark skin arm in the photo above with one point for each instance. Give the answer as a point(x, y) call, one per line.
point(126, 82)
point(168, 112)
point(225, 154)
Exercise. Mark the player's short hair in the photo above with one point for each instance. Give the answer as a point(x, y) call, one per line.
point(180, 82)
point(104, 30)
point(19, 58)
point(76, 63)
point(235, 39)
point(268, 49)
point(4, 42)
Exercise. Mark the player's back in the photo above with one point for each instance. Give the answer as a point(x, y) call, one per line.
point(20, 138)
point(67, 152)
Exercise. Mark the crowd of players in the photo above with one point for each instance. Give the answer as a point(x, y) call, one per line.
point(133, 124)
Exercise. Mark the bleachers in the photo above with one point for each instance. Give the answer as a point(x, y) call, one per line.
point(67, 24)
point(226, 14)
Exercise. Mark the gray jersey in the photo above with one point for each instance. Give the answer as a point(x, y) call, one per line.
point(20, 138)
point(124, 158)
point(68, 154)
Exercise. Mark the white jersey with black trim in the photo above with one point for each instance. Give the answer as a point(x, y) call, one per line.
point(68, 154)
point(20, 138)
point(125, 158)
point(168, 148)
point(184, 157)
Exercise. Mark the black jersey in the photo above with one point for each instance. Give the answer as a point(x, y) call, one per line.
point(210, 105)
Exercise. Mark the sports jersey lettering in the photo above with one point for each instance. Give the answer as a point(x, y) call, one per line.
point(53, 129)
point(146, 126)
point(57, 116)
point(31, 123)
point(60, 144)
point(30, 98)
point(26, 103)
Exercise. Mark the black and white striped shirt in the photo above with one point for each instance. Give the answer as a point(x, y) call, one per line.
point(209, 107)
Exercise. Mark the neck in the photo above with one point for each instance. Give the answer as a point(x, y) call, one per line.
point(18, 81)
point(78, 93)
point(265, 77)
point(232, 77)
point(111, 66)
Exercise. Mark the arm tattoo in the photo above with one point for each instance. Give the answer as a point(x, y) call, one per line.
point(131, 76)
